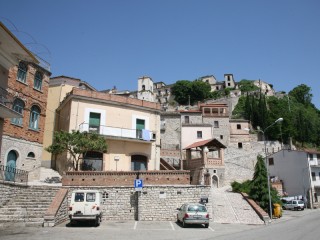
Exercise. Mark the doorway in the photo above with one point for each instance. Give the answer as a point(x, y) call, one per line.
point(11, 166)
point(215, 181)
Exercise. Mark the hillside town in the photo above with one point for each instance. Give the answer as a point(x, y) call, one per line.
point(182, 153)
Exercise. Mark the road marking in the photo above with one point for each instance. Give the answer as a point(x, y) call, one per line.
point(135, 225)
point(211, 229)
point(172, 225)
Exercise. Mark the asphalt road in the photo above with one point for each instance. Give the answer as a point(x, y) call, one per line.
point(294, 225)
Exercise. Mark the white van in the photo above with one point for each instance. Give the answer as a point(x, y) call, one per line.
point(85, 205)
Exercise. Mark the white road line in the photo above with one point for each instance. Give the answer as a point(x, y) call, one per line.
point(135, 225)
point(172, 225)
point(211, 229)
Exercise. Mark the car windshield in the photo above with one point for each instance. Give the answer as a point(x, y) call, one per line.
point(196, 208)
point(301, 202)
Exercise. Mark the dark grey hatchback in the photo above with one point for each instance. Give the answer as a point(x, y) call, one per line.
point(193, 213)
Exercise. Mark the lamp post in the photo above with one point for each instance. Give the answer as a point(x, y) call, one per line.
point(266, 161)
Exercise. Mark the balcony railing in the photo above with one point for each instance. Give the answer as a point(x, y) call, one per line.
point(145, 135)
point(5, 98)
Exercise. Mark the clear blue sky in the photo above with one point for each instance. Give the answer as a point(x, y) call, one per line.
point(113, 42)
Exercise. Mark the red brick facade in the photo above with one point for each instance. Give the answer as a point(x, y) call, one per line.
point(30, 96)
point(112, 178)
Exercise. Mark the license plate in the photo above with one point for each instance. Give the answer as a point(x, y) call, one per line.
point(197, 216)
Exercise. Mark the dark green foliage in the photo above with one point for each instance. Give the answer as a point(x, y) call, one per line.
point(241, 187)
point(247, 86)
point(301, 120)
point(77, 144)
point(259, 186)
point(185, 91)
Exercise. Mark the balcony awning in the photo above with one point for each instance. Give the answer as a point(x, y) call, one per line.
point(209, 143)
point(6, 112)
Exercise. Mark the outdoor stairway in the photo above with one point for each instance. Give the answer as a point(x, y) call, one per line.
point(230, 207)
point(28, 207)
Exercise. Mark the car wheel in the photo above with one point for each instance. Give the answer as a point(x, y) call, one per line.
point(178, 219)
point(302, 209)
point(97, 222)
point(206, 225)
point(284, 208)
point(184, 224)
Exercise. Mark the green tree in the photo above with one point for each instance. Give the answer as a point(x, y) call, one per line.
point(185, 91)
point(247, 86)
point(259, 186)
point(302, 94)
point(181, 91)
point(77, 144)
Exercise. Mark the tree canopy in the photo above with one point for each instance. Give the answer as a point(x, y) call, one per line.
point(193, 91)
point(77, 144)
point(301, 120)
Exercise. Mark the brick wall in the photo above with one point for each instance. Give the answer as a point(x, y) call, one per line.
point(112, 178)
point(30, 96)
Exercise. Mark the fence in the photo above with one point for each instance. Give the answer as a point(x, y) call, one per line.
point(13, 174)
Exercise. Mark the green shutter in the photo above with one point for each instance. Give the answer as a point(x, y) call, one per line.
point(140, 124)
point(94, 119)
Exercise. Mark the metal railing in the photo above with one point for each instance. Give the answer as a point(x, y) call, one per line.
point(13, 174)
point(118, 132)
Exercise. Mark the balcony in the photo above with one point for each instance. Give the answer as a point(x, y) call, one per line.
point(6, 105)
point(119, 133)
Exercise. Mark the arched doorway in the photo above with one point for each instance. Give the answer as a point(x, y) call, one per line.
point(139, 162)
point(215, 181)
point(11, 166)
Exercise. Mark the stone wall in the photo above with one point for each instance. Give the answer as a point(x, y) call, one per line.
point(22, 148)
point(153, 203)
point(240, 162)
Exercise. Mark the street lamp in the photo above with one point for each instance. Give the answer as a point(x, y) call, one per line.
point(266, 160)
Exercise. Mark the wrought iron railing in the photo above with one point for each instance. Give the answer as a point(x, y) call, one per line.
point(12, 174)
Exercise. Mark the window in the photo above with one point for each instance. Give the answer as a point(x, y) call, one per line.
point(94, 122)
point(310, 156)
point(138, 162)
point(216, 124)
point(238, 126)
point(229, 84)
point(199, 134)
point(239, 145)
point(143, 87)
point(18, 106)
point(38, 81)
point(271, 161)
point(186, 119)
point(22, 72)
point(31, 155)
point(34, 117)
point(90, 197)
point(221, 137)
point(140, 125)
point(313, 174)
point(79, 197)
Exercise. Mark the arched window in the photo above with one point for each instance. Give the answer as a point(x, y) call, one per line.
point(38, 81)
point(18, 106)
point(22, 72)
point(34, 117)
point(31, 155)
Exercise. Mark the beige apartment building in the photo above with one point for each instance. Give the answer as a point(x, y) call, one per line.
point(131, 128)
point(59, 87)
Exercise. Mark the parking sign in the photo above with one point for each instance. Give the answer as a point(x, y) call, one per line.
point(138, 184)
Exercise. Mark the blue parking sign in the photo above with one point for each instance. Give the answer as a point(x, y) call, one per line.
point(138, 183)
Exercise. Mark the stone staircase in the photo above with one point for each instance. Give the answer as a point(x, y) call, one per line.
point(28, 207)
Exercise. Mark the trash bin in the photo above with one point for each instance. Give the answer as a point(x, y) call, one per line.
point(277, 210)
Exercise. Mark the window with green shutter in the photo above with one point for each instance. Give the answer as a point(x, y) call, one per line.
point(94, 122)
point(139, 127)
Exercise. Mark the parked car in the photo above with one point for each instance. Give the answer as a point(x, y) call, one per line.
point(293, 205)
point(193, 213)
point(85, 205)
